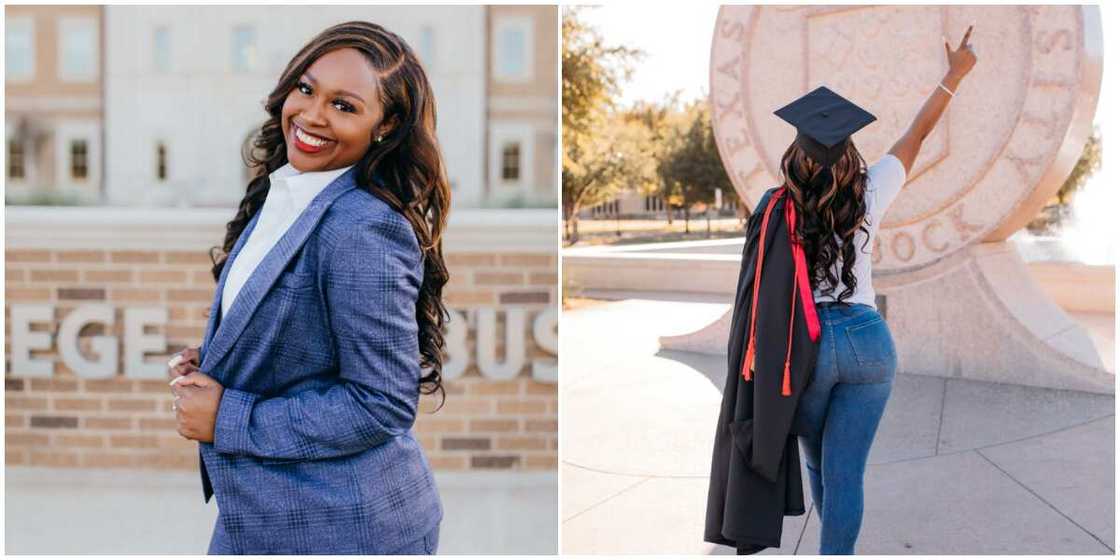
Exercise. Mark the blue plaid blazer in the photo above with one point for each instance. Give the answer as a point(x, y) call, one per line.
point(313, 450)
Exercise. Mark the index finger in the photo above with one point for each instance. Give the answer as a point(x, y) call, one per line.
point(967, 34)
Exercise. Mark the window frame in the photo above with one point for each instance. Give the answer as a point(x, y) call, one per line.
point(250, 62)
point(521, 23)
point(67, 28)
point(73, 157)
point(12, 24)
point(11, 160)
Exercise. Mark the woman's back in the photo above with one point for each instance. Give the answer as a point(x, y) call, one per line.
point(884, 181)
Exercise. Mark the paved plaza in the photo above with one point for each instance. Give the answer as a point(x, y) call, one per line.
point(958, 466)
point(103, 511)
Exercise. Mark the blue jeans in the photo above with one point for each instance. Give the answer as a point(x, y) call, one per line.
point(839, 412)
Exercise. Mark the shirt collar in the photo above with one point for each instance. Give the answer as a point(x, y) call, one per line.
point(303, 185)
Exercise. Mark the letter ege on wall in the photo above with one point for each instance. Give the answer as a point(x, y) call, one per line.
point(138, 344)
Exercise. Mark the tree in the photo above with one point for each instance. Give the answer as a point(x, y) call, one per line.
point(692, 168)
point(603, 164)
point(591, 73)
point(660, 121)
point(1088, 164)
point(1057, 209)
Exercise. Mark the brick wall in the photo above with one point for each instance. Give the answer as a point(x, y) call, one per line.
point(67, 257)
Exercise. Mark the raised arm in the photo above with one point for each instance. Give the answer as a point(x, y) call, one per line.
point(961, 62)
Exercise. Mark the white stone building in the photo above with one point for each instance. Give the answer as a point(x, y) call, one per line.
point(184, 87)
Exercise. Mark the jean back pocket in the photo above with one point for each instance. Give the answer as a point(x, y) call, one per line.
point(873, 348)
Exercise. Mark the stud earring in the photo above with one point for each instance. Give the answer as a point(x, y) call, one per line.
point(379, 137)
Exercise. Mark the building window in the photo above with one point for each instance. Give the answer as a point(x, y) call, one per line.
point(244, 48)
point(161, 161)
point(512, 56)
point(161, 49)
point(511, 162)
point(79, 159)
point(427, 46)
point(510, 150)
point(19, 45)
point(16, 163)
point(77, 53)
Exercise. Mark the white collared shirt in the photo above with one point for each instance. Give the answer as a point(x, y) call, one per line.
point(289, 193)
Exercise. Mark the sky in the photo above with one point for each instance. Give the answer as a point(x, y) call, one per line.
point(678, 60)
point(674, 60)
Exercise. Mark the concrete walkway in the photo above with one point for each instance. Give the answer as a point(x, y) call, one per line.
point(102, 511)
point(958, 466)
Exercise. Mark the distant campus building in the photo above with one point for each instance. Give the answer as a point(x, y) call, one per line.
point(633, 205)
point(54, 108)
point(146, 106)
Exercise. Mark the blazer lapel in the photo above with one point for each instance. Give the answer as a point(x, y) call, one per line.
point(216, 306)
point(269, 269)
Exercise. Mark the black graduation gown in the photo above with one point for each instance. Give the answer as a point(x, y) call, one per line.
point(756, 467)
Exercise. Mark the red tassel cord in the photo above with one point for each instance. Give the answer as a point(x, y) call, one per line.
point(786, 391)
point(801, 267)
point(748, 361)
point(800, 285)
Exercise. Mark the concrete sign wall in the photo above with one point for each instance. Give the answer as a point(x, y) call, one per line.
point(98, 298)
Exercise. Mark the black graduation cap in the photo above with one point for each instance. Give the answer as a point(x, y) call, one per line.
point(824, 120)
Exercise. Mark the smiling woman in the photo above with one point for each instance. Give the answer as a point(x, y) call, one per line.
point(328, 117)
point(327, 324)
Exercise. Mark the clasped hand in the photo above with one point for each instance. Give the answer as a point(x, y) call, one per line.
point(197, 397)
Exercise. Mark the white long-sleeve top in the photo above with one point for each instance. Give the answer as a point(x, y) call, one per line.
point(289, 193)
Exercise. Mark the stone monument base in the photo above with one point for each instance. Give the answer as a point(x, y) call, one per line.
point(977, 314)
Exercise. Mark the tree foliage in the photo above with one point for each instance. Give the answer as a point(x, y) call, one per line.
point(665, 148)
point(1088, 164)
point(594, 164)
point(691, 170)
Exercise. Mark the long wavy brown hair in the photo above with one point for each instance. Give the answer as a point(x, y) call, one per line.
point(831, 209)
point(407, 162)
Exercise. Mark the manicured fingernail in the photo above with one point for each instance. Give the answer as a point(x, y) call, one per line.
point(174, 381)
point(175, 361)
